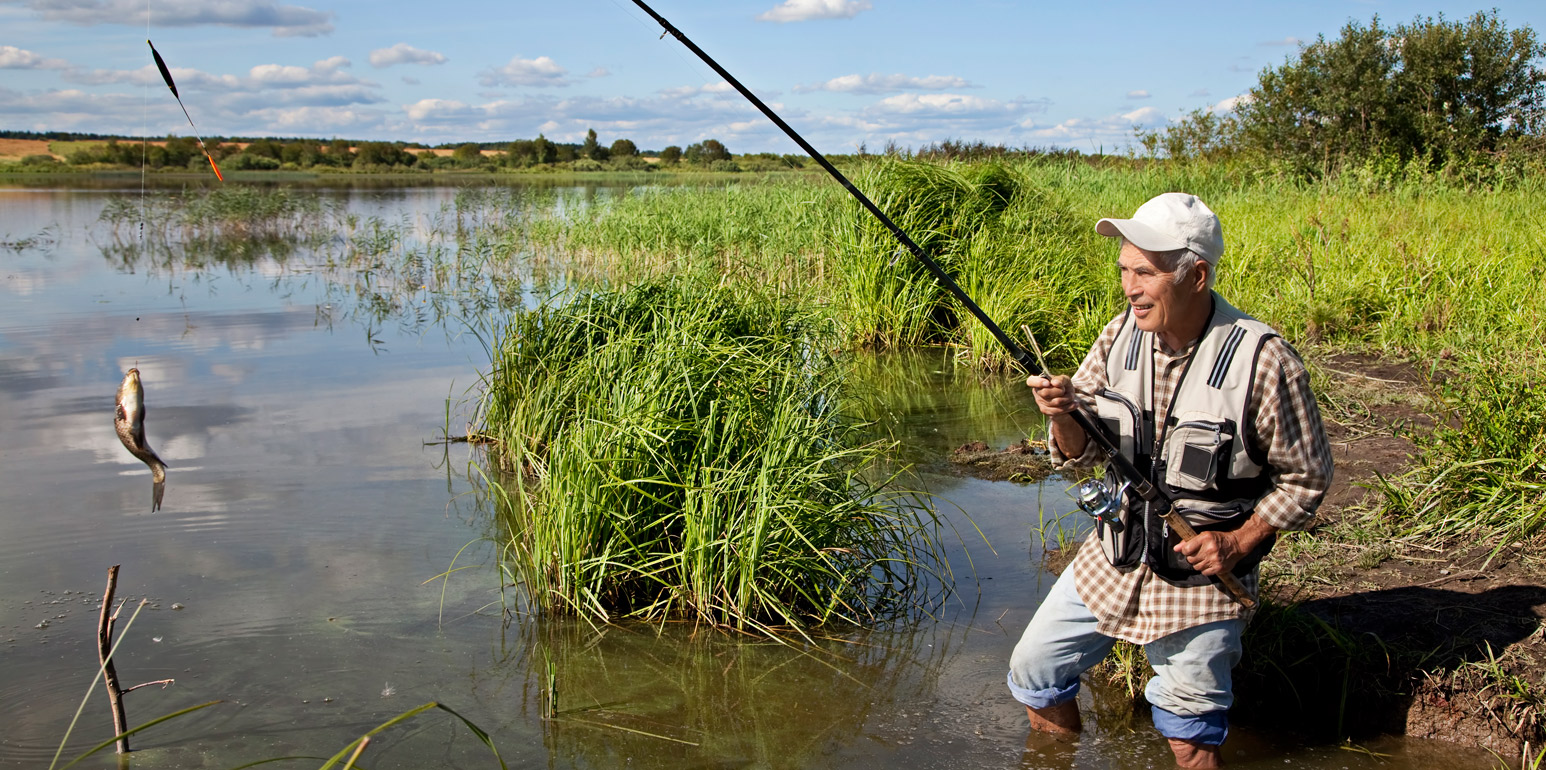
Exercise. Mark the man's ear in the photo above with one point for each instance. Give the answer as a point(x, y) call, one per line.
point(1200, 276)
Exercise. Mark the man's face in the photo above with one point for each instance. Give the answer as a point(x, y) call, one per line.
point(1159, 305)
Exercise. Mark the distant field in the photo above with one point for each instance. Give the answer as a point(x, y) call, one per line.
point(62, 150)
point(16, 149)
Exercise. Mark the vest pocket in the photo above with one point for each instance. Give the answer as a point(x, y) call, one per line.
point(1122, 418)
point(1195, 453)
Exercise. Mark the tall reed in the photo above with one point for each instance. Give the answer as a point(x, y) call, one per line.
point(677, 449)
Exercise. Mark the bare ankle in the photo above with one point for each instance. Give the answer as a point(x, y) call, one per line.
point(1195, 755)
point(1061, 720)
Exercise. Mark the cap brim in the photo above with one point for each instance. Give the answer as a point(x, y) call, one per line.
point(1138, 234)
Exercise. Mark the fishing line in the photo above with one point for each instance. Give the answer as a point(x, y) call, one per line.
point(144, 134)
point(166, 75)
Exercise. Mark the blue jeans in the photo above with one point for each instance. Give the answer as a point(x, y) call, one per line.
point(1190, 691)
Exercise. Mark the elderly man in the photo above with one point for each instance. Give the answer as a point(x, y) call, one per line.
point(1213, 405)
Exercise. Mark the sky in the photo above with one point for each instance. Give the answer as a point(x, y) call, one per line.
point(844, 73)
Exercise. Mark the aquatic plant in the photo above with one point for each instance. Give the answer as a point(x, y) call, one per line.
point(678, 449)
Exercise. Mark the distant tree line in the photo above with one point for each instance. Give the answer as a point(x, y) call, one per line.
point(265, 153)
point(1429, 94)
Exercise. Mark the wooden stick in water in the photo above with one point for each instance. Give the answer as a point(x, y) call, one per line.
point(104, 648)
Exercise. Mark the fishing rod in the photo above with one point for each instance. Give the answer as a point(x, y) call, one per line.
point(166, 75)
point(1151, 493)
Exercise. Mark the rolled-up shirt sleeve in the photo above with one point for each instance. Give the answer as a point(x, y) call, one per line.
point(1288, 424)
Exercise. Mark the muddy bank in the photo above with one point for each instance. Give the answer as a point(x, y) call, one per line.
point(1363, 633)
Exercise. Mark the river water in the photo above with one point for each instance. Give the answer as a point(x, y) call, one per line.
point(320, 565)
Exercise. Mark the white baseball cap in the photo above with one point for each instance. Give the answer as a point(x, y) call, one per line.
point(1168, 222)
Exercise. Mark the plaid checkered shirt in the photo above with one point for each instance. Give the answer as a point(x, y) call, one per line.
point(1139, 606)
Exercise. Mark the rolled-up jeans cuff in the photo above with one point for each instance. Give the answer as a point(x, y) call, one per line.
point(1040, 699)
point(1208, 729)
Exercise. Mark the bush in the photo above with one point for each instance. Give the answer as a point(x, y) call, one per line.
point(245, 162)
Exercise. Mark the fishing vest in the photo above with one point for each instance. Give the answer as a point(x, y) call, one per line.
point(1207, 457)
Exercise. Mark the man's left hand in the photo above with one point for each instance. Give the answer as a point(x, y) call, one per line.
point(1214, 552)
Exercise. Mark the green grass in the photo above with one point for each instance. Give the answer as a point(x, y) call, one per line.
point(681, 450)
point(1481, 474)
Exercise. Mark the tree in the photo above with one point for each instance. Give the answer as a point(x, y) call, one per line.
point(623, 148)
point(469, 154)
point(591, 148)
point(712, 151)
point(338, 153)
point(265, 148)
point(672, 154)
point(1429, 89)
point(543, 150)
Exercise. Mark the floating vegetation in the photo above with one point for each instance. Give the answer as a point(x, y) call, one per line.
point(41, 239)
point(682, 450)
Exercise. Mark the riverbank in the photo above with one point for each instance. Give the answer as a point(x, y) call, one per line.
point(1445, 636)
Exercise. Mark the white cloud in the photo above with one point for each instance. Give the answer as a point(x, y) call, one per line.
point(291, 76)
point(402, 53)
point(1107, 134)
point(439, 110)
point(327, 72)
point(1229, 105)
point(687, 92)
point(1287, 41)
point(680, 116)
point(806, 10)
point(541, 72)
point(1144, 116)
point(599, 72)
point(886, 84)
point(410, 81)
point(1140, 94)
point(13, 58)
point(935, 104)
point(283, 20)
point(317, 120)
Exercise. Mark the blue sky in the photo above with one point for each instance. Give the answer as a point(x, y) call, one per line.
point(842, 72)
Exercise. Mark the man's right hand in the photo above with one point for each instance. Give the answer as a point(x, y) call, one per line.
point(1055, 398)
point(1054, 394)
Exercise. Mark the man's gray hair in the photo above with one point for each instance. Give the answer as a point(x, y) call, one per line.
point(1180, 264)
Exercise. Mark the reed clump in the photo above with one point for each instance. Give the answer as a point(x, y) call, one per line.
point(677, 449)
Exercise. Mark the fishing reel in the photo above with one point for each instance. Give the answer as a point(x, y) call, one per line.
point(1098, 498)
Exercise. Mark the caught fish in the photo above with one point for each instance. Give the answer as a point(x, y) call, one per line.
point(129, 420)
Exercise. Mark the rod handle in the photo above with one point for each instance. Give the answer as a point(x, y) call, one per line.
point(1230, 583)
